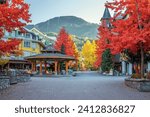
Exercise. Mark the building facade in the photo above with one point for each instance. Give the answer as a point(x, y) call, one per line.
point(30, 45)
point(125, 66)
point(47, 40)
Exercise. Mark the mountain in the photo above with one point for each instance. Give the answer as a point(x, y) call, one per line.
point(72, 24)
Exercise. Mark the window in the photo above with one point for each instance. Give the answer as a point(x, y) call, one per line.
point(34, 45)
point(27, 44)
point(19, 33)
point(34, 37)
point(6, 33)
point(27, 35)
point(26, 53)
point(33, 53)
point(13, 34)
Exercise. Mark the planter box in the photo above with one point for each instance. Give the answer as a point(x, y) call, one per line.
point(142, 85)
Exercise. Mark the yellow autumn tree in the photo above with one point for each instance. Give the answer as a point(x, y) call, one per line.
point(88, 55)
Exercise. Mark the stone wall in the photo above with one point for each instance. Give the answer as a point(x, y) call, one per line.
point(4, 83)
point(23, 78)
point(142, 85)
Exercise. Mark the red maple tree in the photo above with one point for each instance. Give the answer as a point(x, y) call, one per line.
point(64, 39)
point(132, 32)
point(13, 14)
point(9, 47)
point(102, 43)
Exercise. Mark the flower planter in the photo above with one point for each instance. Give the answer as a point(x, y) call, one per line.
point(142, 85)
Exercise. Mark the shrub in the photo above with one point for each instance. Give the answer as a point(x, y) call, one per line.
point(136, 75)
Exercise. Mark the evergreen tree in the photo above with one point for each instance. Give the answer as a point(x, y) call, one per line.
point(62, 49)
point(107, 62)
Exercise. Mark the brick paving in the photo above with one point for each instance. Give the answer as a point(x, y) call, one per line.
point(87, 86)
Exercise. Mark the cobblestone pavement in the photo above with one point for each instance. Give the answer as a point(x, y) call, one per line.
point(87, 86)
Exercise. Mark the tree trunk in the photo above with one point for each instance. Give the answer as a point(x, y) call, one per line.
point(141, 44)
point(142, 61)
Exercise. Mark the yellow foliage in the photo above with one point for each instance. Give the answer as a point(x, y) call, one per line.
point(3, 61)
point(88, 55)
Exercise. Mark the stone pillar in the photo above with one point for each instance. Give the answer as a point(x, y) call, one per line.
point(124, 68)
point(40, 67)
point(66, 68)
point(56, 63)
point(149, 66)
point(130, 69)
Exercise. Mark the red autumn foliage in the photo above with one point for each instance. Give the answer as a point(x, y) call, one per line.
point(102, 43)
point(9, 47)
point(65, 39)
point(13, 14)
point(130, 33)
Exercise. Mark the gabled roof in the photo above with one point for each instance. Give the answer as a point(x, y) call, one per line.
point(106, 14)
point(50, 48)
point(38, 31)
point(50, 56)
point(42, 33)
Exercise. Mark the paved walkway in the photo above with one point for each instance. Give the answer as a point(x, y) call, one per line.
point(88, 86)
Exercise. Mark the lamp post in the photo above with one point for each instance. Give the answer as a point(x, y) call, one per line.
point(2, 1)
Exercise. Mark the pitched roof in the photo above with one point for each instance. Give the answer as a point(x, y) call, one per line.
point(51, 56)
point(106, 14)
point(50, 48)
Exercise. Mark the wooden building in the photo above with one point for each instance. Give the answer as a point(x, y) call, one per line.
point(49, 58)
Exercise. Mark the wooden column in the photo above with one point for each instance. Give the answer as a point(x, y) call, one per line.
point(66, 68)
point(8, 66)
point(56, 67)
point(77, 65)
point(35, 66)
point(45, 67)
point(40, 67)
point(32, 66)
point(23, 66)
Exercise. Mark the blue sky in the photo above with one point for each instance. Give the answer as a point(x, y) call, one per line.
point(89, 10)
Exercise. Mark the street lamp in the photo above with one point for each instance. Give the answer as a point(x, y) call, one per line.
point(2, 1)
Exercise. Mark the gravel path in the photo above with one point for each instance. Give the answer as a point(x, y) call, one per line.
point(87, 86)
